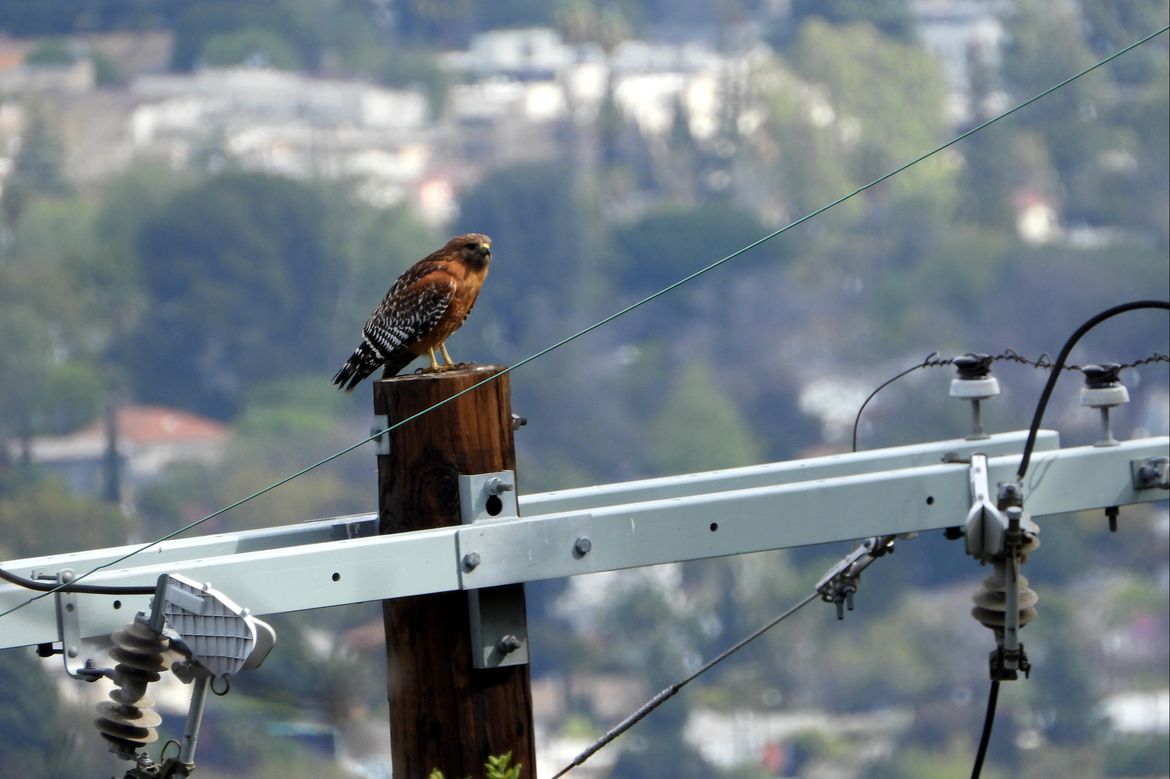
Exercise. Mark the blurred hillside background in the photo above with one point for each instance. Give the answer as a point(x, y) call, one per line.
point(201, 200)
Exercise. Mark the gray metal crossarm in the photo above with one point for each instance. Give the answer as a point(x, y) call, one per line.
point(366, 525)
point(792, 514)
point(270, 581)
point(620, 535)
point(197, 547)
point(784, 472)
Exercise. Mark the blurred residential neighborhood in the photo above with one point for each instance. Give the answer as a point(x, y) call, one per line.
point(515, 92)
point(199, 204)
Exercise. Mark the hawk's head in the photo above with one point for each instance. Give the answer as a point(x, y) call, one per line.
point(474, 248)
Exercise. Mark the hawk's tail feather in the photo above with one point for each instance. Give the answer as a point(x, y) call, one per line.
point(365, 360)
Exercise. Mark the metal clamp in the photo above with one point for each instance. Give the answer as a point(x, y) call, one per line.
point(840, 582)
point(1151, 473)
point(499, 622)
point(985, 523)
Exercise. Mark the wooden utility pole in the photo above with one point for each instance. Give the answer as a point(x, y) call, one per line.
point(444, 713)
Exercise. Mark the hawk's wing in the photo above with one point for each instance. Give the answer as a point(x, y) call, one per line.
point(411, 309)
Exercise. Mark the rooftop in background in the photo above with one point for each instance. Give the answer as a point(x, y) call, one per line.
point(148, 440)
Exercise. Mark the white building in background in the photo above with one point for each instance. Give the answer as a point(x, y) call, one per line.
point(147, 440)
point(957, 32)
point(288, 124)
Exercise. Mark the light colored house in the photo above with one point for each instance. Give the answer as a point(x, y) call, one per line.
point(147, 440)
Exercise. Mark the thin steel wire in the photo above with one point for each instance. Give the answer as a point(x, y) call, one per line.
point(622, 312)
point(669, 692)
point(1043, 362)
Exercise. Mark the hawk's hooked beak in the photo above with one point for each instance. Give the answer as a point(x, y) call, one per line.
point(485, 249)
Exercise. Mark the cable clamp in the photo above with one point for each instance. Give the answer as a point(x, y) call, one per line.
point(1005, 665)
point(1151, 473)
point(839, 584)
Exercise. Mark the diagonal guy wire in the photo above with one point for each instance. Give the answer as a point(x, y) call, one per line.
point(622, 312)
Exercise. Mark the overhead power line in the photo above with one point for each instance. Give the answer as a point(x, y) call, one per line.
point(621, 312)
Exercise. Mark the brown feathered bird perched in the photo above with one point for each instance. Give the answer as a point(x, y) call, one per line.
point(423, 308)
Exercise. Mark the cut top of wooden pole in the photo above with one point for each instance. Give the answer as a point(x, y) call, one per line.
point(471, 434)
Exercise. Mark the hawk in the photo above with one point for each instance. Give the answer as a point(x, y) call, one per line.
point(420, 312)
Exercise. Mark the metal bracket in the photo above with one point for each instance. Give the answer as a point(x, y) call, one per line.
point(840, 582)
point(69, 626)
point(985, 523)
point(382, 440)
point(69, 631)
point(499, 622)
point(487, 496)
point(1150, 473)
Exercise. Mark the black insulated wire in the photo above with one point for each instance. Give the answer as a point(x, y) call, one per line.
point(1025, 460)
point(1058, 365)
point(81, 589)
point(985, 737)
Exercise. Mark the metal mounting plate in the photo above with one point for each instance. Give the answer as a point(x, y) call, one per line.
point(499, 623)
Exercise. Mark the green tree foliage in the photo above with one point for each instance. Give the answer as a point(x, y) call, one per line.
point(373, 246)
point(36, 170)
point(249, 46)
point(1068, 120)
point(292, 29)
point(673, 241)
point(542, 253)
point(237, 275)
point(887, 96)
point(699, 427)
point(39, 515)
point(849, 105)
point(55, 320)
point(1110, 26)
point(33, 738)
point(496, 767)
point(892, 18)
point(26, 363)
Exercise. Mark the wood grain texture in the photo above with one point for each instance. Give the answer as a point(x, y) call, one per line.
point(444, 713)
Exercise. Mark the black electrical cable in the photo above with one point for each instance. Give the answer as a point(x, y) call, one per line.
point(1058, 366)
point(669, 692)
point(857, 419)
point(1029, 445)
point(988, 721)
point(84, 589)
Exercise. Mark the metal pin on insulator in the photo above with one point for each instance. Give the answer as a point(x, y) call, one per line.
point(127, 721)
